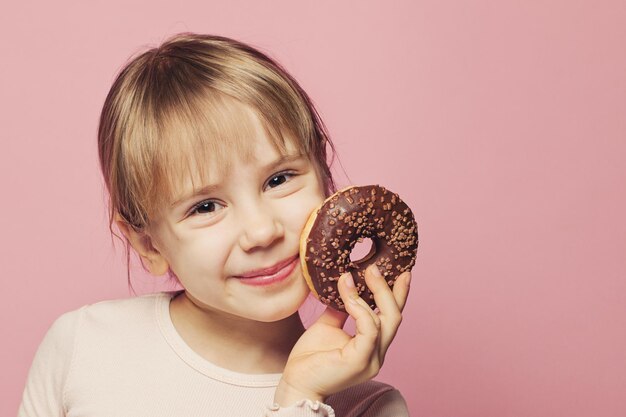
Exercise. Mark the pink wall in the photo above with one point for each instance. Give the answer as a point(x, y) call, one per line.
point(503, 124)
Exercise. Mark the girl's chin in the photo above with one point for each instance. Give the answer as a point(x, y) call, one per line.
point(280, 311)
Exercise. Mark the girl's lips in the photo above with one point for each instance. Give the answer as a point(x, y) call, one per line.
point(268, 271)
point(277, 274)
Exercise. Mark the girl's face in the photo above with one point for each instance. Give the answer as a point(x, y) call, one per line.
point(221, 242)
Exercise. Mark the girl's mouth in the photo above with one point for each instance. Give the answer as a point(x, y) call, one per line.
point(271, 277)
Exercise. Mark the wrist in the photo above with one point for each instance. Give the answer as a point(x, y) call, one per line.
point(287, 395)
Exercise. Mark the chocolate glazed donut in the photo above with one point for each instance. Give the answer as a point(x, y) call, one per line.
point(345, 218)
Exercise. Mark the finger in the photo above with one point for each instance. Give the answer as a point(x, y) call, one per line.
point(366, 339)
point(388, 301)
point(401, 289)
point(389, 305)
point(333, 318)
point(347, 284)
point(383, 296)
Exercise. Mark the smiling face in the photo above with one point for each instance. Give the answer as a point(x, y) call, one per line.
point(221, 238)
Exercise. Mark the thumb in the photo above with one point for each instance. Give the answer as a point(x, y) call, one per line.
point(333, 318)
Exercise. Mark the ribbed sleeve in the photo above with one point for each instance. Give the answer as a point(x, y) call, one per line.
point(304, 408)
point(45, 387)
point(371, 399)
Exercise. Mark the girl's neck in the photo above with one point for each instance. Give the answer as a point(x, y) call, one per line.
point(235, 343)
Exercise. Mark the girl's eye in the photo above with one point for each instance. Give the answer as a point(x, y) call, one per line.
point(279, 179)
point(208, 207)
point(205, 207)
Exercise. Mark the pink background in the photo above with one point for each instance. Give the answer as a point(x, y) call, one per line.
point(502, 124)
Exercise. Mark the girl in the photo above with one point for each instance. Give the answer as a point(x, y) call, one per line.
point(214, 157)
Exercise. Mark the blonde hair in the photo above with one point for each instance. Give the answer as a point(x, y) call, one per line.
point(173, 106)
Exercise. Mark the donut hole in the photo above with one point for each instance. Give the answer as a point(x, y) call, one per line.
point(362, 251)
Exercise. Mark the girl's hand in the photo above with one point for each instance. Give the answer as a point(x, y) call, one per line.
point(326, 360)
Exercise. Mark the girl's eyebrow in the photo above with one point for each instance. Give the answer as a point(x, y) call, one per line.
point(210, 188)
point(207, 189)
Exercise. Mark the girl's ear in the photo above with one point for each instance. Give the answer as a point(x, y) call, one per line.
point(142, 243)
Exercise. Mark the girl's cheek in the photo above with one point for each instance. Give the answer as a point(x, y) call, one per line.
point(300, 211)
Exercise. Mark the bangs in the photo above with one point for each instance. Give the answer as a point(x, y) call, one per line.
point(183, 112)
point(198, 138)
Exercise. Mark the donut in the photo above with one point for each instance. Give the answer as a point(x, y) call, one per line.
point(345, 218)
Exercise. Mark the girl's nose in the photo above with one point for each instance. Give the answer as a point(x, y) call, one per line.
point(260, 229)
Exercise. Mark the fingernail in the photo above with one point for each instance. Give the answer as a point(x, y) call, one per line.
point(354, 297)
point(349, 280)
point(376, 271)
point(407, 279)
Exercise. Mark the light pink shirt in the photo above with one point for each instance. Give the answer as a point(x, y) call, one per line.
point(125, 358)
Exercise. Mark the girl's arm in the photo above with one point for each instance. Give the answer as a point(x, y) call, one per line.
point(326, 360)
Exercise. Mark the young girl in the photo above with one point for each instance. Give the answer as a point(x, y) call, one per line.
point(214, 157)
